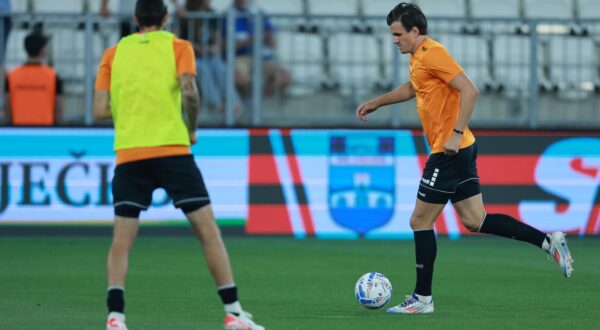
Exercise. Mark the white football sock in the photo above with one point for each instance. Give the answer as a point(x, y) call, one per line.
point(424, 299)
point(234, 308)
point(546, 244)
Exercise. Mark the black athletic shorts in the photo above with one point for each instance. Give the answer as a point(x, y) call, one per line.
point(133, 184)
point(450, 177)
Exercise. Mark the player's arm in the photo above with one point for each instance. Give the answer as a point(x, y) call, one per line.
point(468, 97)
point(191, 103)
point(403, 93)
point(102, 105)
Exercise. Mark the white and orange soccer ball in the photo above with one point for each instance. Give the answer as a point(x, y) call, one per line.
point(373, 290)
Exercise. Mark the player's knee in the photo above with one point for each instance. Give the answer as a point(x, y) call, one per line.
point(471, 224)
point(418, 222)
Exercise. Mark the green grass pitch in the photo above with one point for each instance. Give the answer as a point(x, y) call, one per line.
point(480, 283)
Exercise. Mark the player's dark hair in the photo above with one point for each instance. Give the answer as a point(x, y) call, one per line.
point(410, 15)
point(150, 12)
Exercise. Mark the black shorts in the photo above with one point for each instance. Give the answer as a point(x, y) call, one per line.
point(133, 184)
point(450, 177)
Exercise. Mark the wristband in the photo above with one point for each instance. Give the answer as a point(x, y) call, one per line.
point(458, 132)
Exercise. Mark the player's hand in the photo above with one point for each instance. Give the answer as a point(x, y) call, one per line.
point(365, 109)
point(193, 138)
point(453, 144)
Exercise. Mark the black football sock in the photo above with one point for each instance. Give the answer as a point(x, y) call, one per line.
point(509, 227)
point(228, 294)
point(425, 251)
point(115, 300)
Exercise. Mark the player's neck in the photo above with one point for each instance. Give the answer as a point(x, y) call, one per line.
point(418, 43)
point(148, 29)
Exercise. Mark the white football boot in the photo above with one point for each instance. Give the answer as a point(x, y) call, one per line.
point(560, 252)
point(116, 321)
point(241, 322)
point(412, 305)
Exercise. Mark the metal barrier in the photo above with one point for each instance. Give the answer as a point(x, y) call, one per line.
point(537, 73)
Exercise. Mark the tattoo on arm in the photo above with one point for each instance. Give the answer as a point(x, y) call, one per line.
point(191, 100)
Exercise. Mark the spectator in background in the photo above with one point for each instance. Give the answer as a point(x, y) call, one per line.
point(6, 25)
point(33, 90)
point(208, 46)
point(276, 77)
point(126, 11)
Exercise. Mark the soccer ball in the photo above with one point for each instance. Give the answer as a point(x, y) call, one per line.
point(373, 290)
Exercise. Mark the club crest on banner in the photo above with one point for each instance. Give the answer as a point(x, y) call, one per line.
point(361, 181)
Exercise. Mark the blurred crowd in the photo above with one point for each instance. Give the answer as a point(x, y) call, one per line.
point(33, 90)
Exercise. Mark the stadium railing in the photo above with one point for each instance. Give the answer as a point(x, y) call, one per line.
point(532, 73)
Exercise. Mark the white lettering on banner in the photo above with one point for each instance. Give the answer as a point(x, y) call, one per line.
point(570, 170)
point(49, 189)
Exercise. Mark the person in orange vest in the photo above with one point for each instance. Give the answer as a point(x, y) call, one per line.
point(33, 90)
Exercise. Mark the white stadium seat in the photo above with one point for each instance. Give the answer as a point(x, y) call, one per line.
point(274, 7)
point(220, 5)
point(512, 61)
point(57, 6)
point(548, 8)
point(355, 59)
point(303, 54)
point(573, 60)
point(378, 7)
point(471, 52)
point(333, 7)
point(487, 8)
point(445, 8)
point(588, 9)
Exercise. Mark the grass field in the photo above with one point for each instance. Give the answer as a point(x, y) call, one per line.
point(480, 283)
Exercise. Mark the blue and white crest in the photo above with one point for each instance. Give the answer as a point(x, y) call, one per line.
point(361, 181)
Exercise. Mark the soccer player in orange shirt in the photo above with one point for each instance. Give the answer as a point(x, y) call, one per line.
point(445, 101)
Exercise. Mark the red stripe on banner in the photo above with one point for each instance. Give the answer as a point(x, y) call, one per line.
point(292, 160)
point(507, 169)
point(259, 131)
point(263, 170)
point(503, 169)
point(593, 225)
point(268, 219)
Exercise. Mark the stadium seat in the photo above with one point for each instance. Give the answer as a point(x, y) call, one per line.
point(377, 7)
point(333, 7)
point(303, 54)
point(486, 8)
point(287, 7)
point(512, 62)
point(220, 5)
point(54, 6)
point(573, 61)
point(356, 59)
point(471, 52)
point(442, 8)
point(548, 8)
point(588, 9)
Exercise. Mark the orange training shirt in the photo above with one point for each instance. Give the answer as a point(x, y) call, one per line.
point(186, 63)
point(431, 70)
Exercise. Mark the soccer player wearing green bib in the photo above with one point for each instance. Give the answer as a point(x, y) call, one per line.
point(143, 83)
